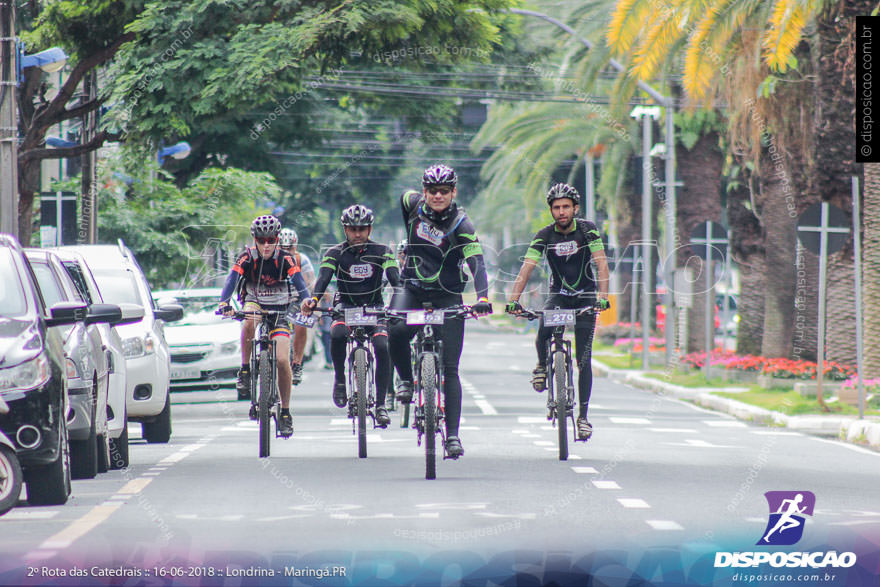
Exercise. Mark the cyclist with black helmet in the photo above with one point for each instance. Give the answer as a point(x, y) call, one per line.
point(265, 278)
point(287, 240)
point(358, 264)
point(570, 244)
point(440, 240)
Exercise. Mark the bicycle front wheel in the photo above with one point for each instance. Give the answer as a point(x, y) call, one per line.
point(265, 403)
point(360, 381)
point(559, 381)
point(428, 383)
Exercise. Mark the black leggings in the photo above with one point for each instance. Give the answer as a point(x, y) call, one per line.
point(583, 345)
point(452, 335)
point(338, 339)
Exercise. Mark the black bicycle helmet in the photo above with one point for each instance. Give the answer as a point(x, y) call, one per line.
point(357, 215)
point(563, 190)
point(266, 225)
point(439, 175)
point(287, 237)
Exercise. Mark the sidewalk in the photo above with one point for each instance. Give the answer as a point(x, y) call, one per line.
point(848, 428)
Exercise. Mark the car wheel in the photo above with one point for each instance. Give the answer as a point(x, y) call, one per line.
point(10, 479)
point(50, 484)
point(103, 453)
point(159, 430)
point(84, 453)
point(119, 447)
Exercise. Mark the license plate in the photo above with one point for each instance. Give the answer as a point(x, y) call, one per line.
point(559, 317)
point(303, 320)
point(357, 317)
point(418, 317)
point(185, 373)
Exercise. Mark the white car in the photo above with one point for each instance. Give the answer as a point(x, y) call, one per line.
point(117, 416)
point(205, 348)
point(147, 359)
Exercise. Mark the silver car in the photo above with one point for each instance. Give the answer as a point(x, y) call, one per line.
point(87, 366)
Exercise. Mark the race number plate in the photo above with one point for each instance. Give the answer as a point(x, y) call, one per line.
point(185, 373)
point(303, 320)
point(357, 317)
point(418, 317)
point(558, 317)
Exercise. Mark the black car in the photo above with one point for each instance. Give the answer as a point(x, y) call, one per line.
point(32, 376)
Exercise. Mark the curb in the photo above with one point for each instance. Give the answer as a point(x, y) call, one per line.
point(848, 428)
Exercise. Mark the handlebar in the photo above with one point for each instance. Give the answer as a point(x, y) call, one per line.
point(536, 315)
point(451, 311)
point(242, 314)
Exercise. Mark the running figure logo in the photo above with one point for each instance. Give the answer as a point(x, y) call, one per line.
point(787, 511)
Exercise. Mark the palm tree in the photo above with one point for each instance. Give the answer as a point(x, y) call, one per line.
point(871, 268)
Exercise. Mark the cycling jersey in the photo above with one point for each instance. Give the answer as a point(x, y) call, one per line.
point(438, 245)
point(266, 282)
point(568, 255)
point(358, 270)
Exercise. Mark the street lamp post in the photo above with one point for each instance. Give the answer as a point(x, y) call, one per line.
point(8, 128)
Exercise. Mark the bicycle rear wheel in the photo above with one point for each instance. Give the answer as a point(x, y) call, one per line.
point(265, 403)
point(360, 381)
point(428, 383)
point(559, 381)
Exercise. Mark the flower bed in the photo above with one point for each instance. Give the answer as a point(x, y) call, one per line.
point(776, 368)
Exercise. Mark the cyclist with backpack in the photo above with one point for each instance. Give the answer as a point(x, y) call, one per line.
point(440, 240)
point(569, 244)
point(358, 264)
point(265, 279)
point(287, 240)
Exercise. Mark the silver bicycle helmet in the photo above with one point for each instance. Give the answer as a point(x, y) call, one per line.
point(563, 190)
point(357, 215)
point(439, 175)
point(266, 225)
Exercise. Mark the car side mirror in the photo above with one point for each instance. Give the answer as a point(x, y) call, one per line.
point(169, 312)
point(64, 313)
point(103, 314)
point(131, 313)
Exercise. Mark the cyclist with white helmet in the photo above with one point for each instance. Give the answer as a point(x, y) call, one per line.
point(570, 244)
point(265, 278)
point(358, 264)
point(288, 240)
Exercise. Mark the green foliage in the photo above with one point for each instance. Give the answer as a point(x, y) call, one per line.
point(692, 125)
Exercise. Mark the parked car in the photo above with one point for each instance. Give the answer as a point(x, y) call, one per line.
point(87, 368)
point(147, 360)
point(205, 348)
point(11, 477)
point(117, 416)
point(32, 376)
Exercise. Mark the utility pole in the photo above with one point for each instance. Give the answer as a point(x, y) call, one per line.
point(8, 120)
point(88, 232)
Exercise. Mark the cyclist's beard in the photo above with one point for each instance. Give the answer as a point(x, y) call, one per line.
point(565, 225)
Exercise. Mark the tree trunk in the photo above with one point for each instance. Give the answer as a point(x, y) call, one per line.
point(697, 201)
point(780, 237)
point(871, 268)
point(747, 250)
point(28, 186)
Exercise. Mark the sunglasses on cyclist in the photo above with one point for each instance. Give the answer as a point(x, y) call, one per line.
point(442, 190)
point(269, 240)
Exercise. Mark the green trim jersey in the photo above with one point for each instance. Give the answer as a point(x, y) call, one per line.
point(358, 271)
point(568, 255)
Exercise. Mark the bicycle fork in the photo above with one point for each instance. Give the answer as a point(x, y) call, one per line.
point(559, 345)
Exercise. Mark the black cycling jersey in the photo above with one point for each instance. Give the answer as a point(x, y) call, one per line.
point(358, 270)
point(438, 245)
point(568, 255)
point(265, 281)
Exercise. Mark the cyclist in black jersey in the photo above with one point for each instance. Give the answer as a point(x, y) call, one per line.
point(358, 265)
point(268, 277)
point(569, 245)
point(440, 240)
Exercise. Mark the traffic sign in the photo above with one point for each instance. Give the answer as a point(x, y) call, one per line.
point(709, 234)
point(823, 218)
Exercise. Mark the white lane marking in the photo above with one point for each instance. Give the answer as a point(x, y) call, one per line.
point(699, 443)
point(675, 430)
point(340, 422)
point(151, 474)
point(725, 423)
point(851, 447)
point(585, 470)
point(228, 518)
point(520, 431)
point(134, 486)
point(524, 516)
point(617, 420)
point(80, 527)
point(544, 443)
point(120, 497)
point(575, 457)
point(629, 502)
point(468, 427)
point(548, 449)
point(531, 435)
point(775, 433)
point(664, 525)
point(30, 515)
point(606, 484)
point(174, 458)
point(386, 516)
point(483, 404)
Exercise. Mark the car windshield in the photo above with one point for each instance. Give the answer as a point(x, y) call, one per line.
point(117, 286)
point(49, 287)
point(196, 309)
point(12, 300)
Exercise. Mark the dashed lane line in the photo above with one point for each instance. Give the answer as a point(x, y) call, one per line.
point(618, 420)
point(634, 503)
point(664, 525)
point(604, 484)
point(478, 398)
point(585, 470)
